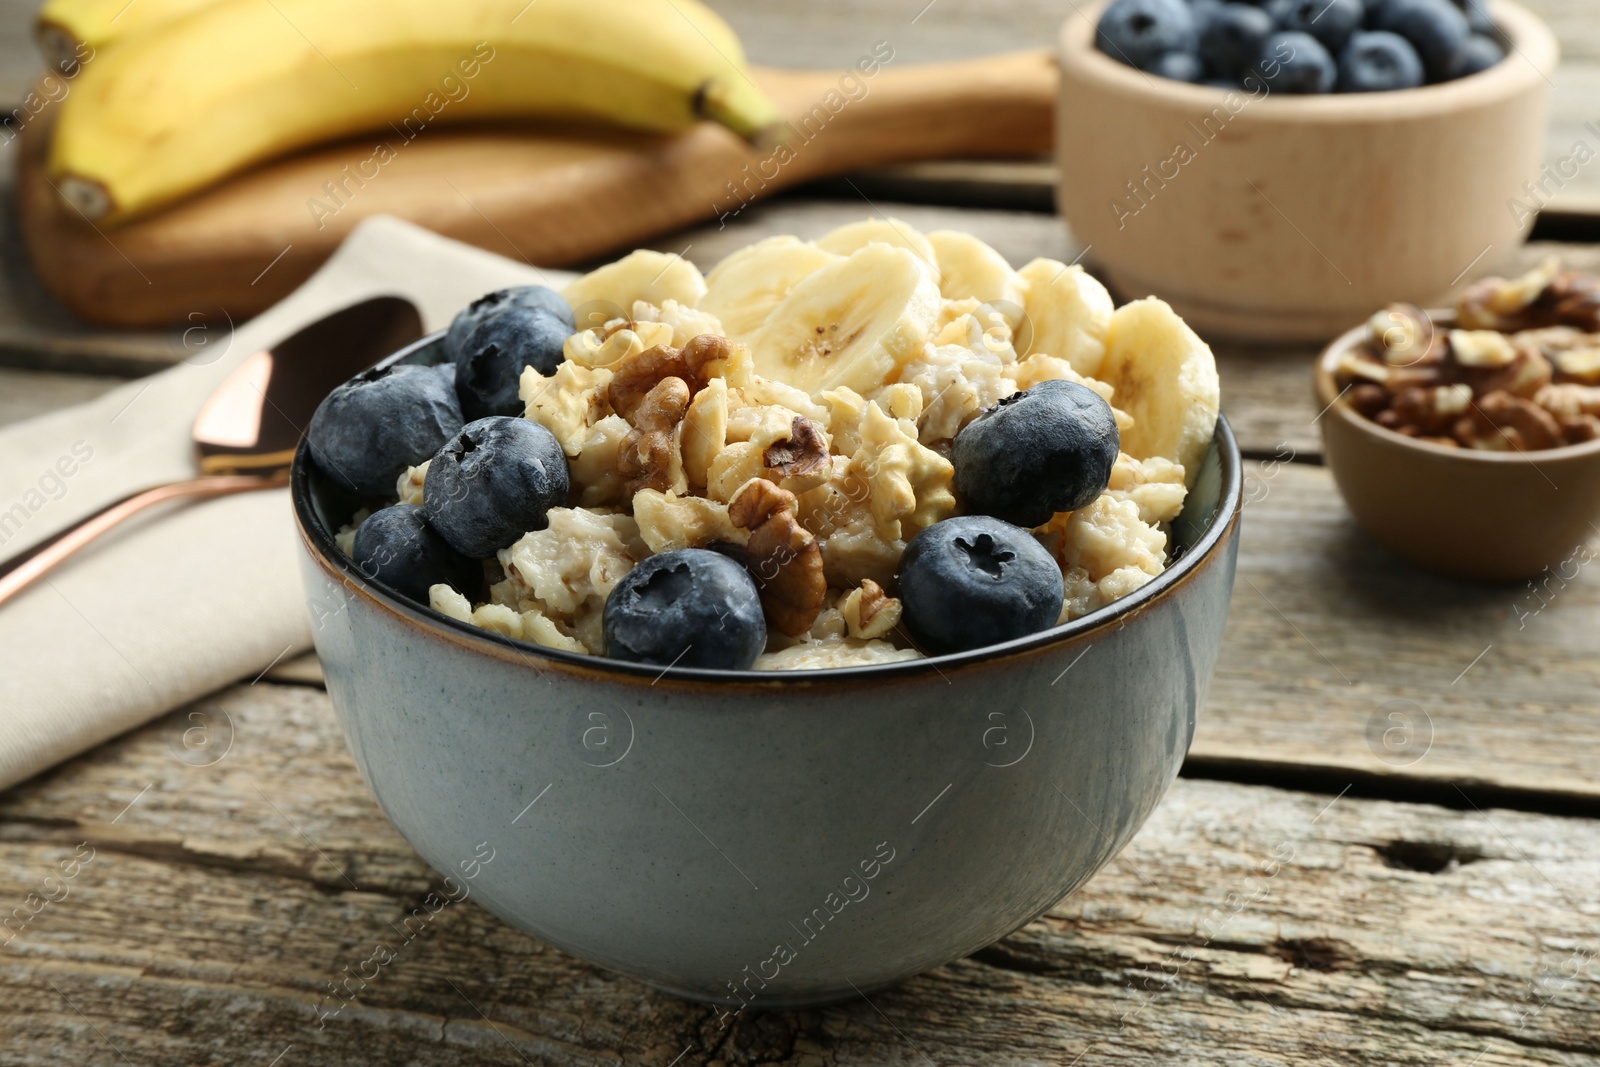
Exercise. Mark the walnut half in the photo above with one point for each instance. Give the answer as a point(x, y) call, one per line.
point(782, 556)
point(869, 612)
point(635, 376)
point(649, 458)
point(1503, 422)
point(802, 453)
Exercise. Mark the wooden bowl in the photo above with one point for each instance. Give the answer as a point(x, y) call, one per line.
point(1490, 516)
point(1291, 218)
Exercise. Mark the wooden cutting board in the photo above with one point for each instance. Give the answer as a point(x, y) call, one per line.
point(548, 194)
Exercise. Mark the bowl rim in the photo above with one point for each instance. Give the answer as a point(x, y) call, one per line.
point(1530, 38)
point(1334, 404)
point(319, 544)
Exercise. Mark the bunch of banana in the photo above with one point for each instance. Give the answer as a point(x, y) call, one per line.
point(203, 93)
point(72, 31)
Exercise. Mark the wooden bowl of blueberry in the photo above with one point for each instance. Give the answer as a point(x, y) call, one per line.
point(1277, 170)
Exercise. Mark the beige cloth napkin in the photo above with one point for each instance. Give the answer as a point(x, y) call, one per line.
point(191, 597)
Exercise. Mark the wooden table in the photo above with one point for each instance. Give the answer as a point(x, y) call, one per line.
point(1383, 848)
point(1310, 891)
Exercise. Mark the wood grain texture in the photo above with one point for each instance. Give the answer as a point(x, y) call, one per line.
point(550, 194)
point(1338, 657)
point(1244, 925)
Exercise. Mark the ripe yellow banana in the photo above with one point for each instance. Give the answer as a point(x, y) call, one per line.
point(168, 112)
point(69, 32)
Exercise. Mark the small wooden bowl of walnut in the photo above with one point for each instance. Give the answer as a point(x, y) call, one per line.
point(1467, 440)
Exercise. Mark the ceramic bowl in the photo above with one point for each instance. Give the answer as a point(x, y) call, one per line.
point(1284, 218)
point(1491, 516)
point(772, 839)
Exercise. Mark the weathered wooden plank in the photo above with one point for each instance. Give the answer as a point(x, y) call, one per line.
point(1339, 657)
point(38, 333)
point(1244, 926)
point(19, 60)
point(302, 670)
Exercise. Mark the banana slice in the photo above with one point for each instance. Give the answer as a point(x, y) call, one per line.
point(654, 277)
point(852, 323)
point(742, 290)
point(1069, 313)
point(968, 268)
point(1165, 377)
point(887, 231)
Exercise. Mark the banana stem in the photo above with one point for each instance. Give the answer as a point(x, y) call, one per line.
point(737, 104)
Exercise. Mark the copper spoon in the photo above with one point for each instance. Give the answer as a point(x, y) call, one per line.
point(246, 432)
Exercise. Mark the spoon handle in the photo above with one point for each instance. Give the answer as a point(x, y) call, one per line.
point(90, 529)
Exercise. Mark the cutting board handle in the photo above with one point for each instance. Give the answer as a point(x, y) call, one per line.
point(995, 106)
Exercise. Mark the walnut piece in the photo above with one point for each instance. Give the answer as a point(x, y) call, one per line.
point(1502, 422)
point(1402, 334)
point(1573, 299)
point(692, 364)
point(1570, 400)
point(1495, 303)
point(804, 452)
point(869, 612)
point(1526, 373)
point(1481, 348)
point(1430, 411)
point(1577, 429)
point(1545, 296)
point(650, 458)
point(783, 556)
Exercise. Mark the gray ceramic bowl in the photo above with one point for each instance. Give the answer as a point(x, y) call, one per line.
point(772, 839)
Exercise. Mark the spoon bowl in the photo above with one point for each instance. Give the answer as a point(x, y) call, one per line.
point(246, 432)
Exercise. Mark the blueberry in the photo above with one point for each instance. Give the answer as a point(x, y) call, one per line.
point(1035, 453)
point(1481, 53)
point(1179, 66)
point(973, 581)
point(1478, 20)
point(1436, 29)
point(1375, 61)
point(493, 482)
point(488, 306)
point(690, 607)
point(1139, 32)
point(370, 429)
point(493, 357)
point(1329, 21)
point(1231, 38)
point(397, 547)
point(1293, 62)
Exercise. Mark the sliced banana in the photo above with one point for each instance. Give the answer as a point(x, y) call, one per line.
point(654, 277)
point(1069, 313)
point(1165, 377)
point(742, 290)
point(970, 269)
point(885, 231)
point(852, 323)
